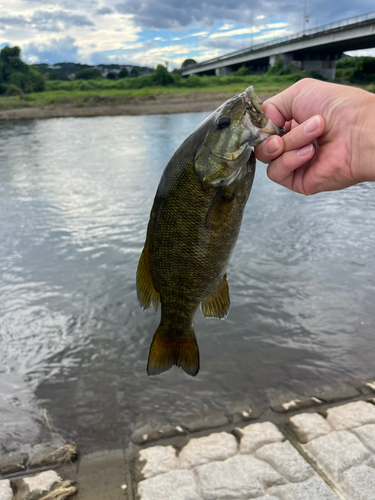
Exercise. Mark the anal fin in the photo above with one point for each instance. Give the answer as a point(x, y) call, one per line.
point(218, 303)
point(145, 288)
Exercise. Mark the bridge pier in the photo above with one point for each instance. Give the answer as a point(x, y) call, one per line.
point(224, 71)
point(322, 64)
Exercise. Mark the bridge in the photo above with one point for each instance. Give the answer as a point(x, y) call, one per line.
point(313, 50)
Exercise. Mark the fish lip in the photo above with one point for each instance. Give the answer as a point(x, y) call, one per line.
point(256, 112)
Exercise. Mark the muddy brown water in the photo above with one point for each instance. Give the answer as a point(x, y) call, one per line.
point(75, 197)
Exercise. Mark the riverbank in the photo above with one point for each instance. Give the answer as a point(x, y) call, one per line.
point(137, 105)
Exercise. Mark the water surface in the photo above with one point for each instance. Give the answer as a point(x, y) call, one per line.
point(75, 197)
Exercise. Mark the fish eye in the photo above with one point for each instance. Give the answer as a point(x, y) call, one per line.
point(223, 122)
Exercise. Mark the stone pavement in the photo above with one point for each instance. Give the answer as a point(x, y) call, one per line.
point(311, 457)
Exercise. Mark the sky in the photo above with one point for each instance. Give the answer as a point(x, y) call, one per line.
point(151, 32)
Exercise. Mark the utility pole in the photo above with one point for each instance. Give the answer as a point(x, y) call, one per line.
point(304, 17)
point(251, 29)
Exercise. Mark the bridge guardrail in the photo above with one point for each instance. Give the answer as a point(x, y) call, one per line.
point(311, 31)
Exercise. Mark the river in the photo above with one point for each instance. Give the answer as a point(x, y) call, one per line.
point(75, 197)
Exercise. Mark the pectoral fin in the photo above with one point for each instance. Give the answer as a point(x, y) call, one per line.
point(218, 303)
point(145, 289)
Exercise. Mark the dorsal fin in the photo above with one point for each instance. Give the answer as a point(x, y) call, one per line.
point(145, 288)
point(218, 303)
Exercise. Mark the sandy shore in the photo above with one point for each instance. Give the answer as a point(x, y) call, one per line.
point(145, 105)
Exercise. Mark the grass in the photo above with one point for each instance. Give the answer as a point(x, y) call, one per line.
point(81, 93)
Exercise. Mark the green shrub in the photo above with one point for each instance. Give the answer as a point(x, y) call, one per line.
point(123, 73)
point(193, 81)
point(161, 76)
point(15, 73)
point(88, 74)
point(112, 75)
point(12, 90)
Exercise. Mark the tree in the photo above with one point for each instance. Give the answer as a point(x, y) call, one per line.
point(88, 74)
point(112, 75)
point(16, 74)
point(123, 73)
point(161, 76)
point(188, 62)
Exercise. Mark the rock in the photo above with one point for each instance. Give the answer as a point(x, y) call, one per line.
point(335, 391)
point(242, 411)
point(14, 462)
point(203, 422)
point(312, 489)
point(366, 434)
point(48, 455)
point(6, 492)
point(152, 429)
point(309, 426)
point(218, 446)
point(33, 487)
point(337, 451)
point(256, 435)
point(359, 483)
point(159, 459)
point(242, 476)
point(284, 458)
point(174, 485)
point(351, 415)
point(283, 401)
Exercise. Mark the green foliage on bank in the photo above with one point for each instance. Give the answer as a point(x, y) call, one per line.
point(162, 78)
point(17, 77)
point(356, 69)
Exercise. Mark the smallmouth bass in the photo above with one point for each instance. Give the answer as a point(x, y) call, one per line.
point(193, 227)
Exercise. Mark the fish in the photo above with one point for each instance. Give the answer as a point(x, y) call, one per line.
point(193, 228)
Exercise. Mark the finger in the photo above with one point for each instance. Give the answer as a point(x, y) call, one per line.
point(279, 107)
point(303, 134)
point(269, 149)
point(281, 169)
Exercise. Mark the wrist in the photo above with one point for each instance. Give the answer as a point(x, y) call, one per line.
point(363, 152)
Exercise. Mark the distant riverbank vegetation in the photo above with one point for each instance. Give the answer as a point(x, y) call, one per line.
point(76, 85)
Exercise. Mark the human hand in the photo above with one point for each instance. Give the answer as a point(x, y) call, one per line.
point(329, 142)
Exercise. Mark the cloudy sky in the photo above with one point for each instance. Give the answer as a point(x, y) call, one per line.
point(149, 32)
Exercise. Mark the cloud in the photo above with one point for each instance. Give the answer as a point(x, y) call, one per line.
point(54, 51)
point(237, 32)
point(58, 20)
point(103, 11)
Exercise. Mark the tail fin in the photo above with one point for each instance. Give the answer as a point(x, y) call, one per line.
point(166, 352)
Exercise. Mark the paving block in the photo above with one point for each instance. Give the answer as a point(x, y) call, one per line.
point(32, 487)
point(203, 422)
point(256, 435)
point(173, 485)
point(359, 483)
point(285, 459)
point(366, 433)
point(6, 492)
point(242, 476)
point(308, 426)
point(335, 391)
point(159, 459)
point(336, 452)
point(101, 476)
point(312, 489)
point(217, 446)
point(13, 462)
point(351, 415)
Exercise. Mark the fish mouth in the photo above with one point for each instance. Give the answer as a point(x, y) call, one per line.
point(257, 116)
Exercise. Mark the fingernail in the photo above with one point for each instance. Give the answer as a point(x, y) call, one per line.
point(312, 125)
point(271, 146)
point(305, 151)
